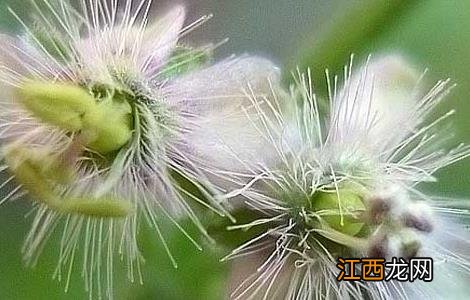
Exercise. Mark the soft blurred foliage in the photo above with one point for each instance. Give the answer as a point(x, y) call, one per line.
point(433, 34)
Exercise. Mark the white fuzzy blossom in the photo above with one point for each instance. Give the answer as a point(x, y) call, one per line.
point(106, 118)
point(348, 185)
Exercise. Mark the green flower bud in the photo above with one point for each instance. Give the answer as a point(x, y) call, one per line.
point(38, 173)
point(28, 168)
point(109, 126)
point(341, 211)
point(106, 126)
point(58, 104)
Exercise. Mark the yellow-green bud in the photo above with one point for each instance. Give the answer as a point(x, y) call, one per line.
point(106, 126)
point(38, 173)
point(61, 105)
point(340, 210)
point(44, 164)
point(29, 171)
point(109, 126)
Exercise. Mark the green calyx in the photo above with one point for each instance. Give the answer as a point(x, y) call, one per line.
point(184, 60)
point(340, 210)
point(106, 124)
point(39, 173)
point(51, 42)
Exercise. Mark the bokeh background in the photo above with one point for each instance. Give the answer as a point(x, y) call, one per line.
point(432, 34)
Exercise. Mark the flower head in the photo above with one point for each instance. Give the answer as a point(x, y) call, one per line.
point(347, 185)
point(106, 119)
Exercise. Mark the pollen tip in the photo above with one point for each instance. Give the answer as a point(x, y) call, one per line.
point(418, 216)
point(379, 247)
point(419, 223)
point(379, 208)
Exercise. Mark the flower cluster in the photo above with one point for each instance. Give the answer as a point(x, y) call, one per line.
point(346, 186)
point(109, 121)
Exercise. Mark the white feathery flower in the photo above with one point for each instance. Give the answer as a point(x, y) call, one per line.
point(347, 185)
point(106, 119)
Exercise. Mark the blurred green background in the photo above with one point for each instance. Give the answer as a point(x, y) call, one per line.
point(433, 34)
